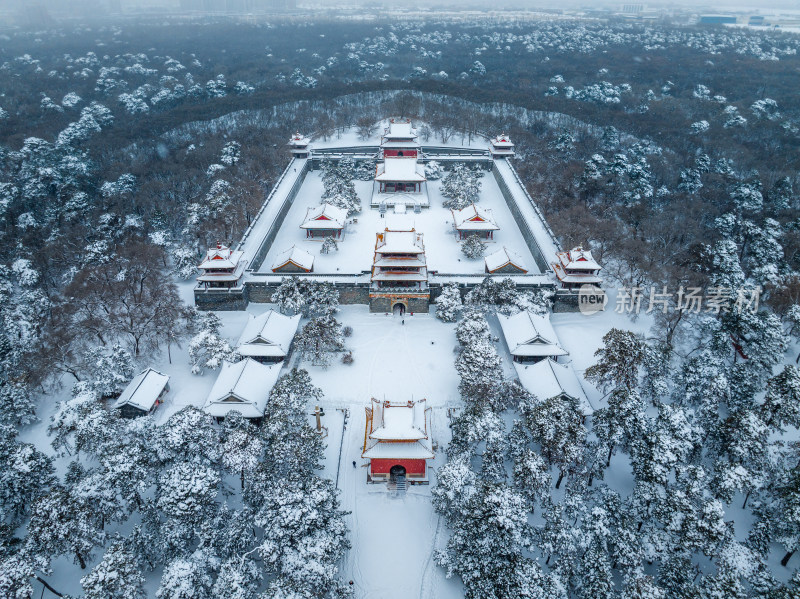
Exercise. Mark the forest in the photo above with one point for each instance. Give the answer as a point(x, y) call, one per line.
point(127, 148)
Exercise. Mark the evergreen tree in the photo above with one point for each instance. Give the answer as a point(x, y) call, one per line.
point(242, 448)
point(448, 304)
point(207, 349)
point(63, 524)
point(461, 187)
point(555, 424)
point(185, 578)
point(115, 577)
point(473, 247)
point(620, 358)
point(319, 338)
point(781, 405)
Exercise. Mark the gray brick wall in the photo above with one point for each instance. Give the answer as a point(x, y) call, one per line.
point(523, 226)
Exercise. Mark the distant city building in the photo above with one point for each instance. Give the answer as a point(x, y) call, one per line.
point(632, 8)
point(238, 6)
point(716, 19)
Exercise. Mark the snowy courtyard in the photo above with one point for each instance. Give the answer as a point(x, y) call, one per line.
point(356, 248)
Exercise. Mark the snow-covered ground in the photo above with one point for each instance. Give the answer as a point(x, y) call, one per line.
point(350, 137)
point(356, 249)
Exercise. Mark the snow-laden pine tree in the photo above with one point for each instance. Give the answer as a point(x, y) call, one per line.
point(619, 360)
point(448, 304)
point(461, 187)
point(556, 425)
point(109, 371)
point(242, 447)
point(320, 337)
point(25, 473)
point(237, 579)
point(433, 171)
point(472, 327)
point(473, 247)
point(304, 533)
point(63, 523)
point(116, 576)
point(187, 491)
point(328, 245)
point(207, 349)
point(186, 578)
point(479, 368)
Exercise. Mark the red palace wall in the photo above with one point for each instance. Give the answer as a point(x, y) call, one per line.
point(395, 153)
point(382, 466)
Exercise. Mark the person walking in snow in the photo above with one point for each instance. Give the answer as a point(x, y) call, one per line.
point(354, 463)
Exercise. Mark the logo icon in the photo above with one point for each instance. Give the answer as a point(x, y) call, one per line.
point(591, 300)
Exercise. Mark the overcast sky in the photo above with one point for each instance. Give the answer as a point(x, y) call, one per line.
point(700, 5)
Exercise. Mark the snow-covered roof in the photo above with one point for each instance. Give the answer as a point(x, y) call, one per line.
point(398, 430)
point(422, 275)
point(325, 216)
point(398, 421)
point(413, 450)
point(405, 170)
point(295, 255)
point(474, 218)
point(577, 259)
point(503, 257)
point(400, 198)
point(399, 242)
point(269, 334)
point(502, 141)
point(530, 335)
point(143, 391)
point(244, 387)
point(400, 130)
point(299, 141)
point(220, 257)
point(565, 277)
point(547, 379)
point(399, 144)
point(224, 276)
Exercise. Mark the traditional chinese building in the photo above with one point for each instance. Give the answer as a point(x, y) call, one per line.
point(325, 220)
point(474, 220)
point(501, 146)
point(243, 387)
point(397, 441)
point(397, 175)
point(576, 267)
point(547, 379)
point(504, 261)
point(222, 267)
point(293, 260)
point(399, 139)
point(400, 178)
point(530, 337)
point(143, 394)
point(298, 145)
point(399, 273)
point(267, 338)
